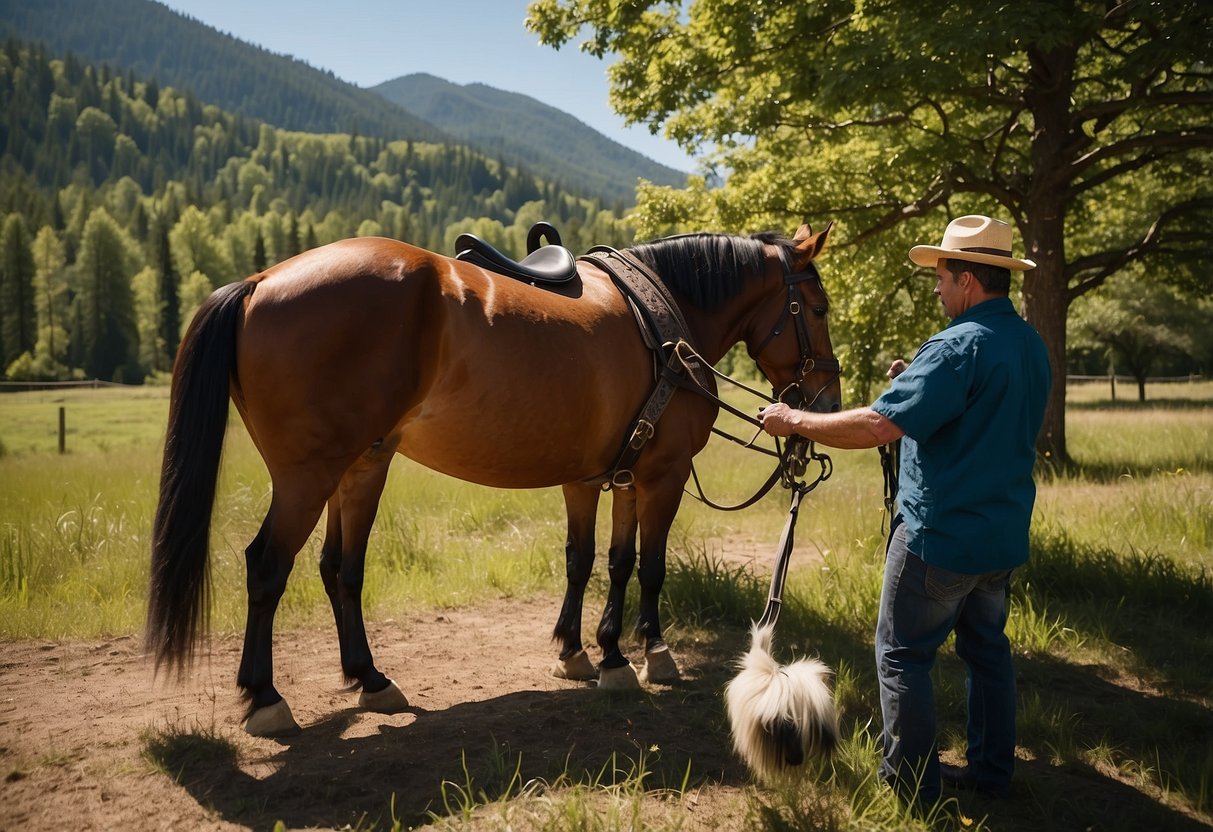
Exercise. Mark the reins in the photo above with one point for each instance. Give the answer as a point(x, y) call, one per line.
point(793, 456)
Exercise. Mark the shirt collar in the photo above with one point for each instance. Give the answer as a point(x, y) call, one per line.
point(986, 309)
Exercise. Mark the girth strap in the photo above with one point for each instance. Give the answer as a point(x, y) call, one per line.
point(663, 328)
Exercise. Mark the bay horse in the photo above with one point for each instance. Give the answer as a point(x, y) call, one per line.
point(343, 356)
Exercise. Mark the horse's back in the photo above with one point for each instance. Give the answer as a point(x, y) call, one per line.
point(473, 374)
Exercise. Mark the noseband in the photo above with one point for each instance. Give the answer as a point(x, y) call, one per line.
point(794, 310)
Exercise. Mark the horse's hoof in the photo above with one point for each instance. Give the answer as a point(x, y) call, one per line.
point(660, 667)
point(390, 700)
point(272, 721)
point(618, 678)
point(577, 667)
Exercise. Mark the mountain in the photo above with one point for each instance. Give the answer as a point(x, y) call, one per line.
point(525, 131)
point(155, 42)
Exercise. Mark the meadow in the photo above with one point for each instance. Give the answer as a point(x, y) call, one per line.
point(1109, 619)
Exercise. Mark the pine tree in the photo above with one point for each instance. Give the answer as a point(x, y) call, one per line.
point(50, 304)
point(108, 259)
point(18, 323)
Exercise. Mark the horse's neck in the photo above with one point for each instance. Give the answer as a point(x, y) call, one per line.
point(713, 333)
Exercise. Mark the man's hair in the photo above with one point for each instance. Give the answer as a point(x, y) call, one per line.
point(996, 280)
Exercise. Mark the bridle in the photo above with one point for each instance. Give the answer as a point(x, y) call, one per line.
point(795, 311)
point(797, 452)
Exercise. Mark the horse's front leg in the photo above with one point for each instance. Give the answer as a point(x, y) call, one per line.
point(657, 507)
point(617, 672)
point(581, 507)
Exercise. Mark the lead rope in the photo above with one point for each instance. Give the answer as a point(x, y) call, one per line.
point(890, 466)
point(775, 596)
point(798, 449)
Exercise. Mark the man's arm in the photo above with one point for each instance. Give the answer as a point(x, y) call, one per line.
point(861, 427)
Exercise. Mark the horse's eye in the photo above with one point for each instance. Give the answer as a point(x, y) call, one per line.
point(820, 311)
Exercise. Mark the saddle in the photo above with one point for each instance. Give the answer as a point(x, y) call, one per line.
point(550, 265)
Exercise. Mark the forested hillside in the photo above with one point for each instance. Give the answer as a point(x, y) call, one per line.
point(155, 42)
point(124, 202)
point(519, 128)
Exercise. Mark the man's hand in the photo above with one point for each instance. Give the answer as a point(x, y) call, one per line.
point(896, 368)
point(778, 419)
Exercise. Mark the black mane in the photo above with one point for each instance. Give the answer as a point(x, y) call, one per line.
point(707, 269)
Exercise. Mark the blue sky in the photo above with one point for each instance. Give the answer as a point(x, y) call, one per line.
point(367, 42)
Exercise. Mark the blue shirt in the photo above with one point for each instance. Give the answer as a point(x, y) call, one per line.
point(971, 404)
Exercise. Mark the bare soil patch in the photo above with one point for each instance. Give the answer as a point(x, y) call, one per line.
point(88, 740)
point(81, 723)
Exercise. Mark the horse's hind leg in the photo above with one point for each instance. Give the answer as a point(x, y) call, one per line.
point(268, 560)
point(581, 506)
point(352, 511)
point(617, 671)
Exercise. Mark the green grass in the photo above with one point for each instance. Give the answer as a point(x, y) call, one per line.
point(1108, 619)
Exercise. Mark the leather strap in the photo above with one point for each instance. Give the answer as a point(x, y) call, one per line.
point(663, 328)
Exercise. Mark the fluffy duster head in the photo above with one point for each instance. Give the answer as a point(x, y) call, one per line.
point(780, 714)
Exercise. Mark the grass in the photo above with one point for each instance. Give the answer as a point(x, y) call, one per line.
point(1108, 619)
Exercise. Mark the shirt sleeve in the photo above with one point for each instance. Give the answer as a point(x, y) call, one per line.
point(930, 392)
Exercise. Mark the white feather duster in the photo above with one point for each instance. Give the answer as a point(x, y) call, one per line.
point(780, 714)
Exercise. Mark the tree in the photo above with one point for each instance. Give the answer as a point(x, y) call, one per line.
point(95, 134)
point(195, 289)
point(50, 304)
point(1138, 322)
point(1079, 121)
point(149, 313)
point(18, 324)
point(107, 260)
point(195, 248)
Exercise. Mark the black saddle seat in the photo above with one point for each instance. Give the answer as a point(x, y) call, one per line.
point(550, 264)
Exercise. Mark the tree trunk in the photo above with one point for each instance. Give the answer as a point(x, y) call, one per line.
point(1045, 306)
point(1046, 298)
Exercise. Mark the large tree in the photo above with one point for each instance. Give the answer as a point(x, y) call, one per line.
point(1084, 123)
point(18, 323)
point(1139, 324)
point(50, 303)
point(107, 261)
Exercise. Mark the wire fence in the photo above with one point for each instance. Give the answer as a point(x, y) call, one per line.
point(88, 384)
point(1107, 379)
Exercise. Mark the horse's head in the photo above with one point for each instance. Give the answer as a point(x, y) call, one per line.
point(788, 335)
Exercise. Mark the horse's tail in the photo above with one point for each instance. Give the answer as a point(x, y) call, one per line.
point(178, 595)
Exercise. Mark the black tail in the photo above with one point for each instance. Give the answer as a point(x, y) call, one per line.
point(178, 595)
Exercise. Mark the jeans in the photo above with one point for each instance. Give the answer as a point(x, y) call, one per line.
point(919, 606)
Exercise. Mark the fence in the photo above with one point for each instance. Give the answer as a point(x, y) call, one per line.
point(1119, 379)
point(29, 386)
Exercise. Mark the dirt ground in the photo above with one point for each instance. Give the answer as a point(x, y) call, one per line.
point(89, 741)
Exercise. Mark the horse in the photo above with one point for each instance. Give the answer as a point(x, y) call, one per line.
point(343, 356)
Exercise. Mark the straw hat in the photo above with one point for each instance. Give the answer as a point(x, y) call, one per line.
point(974, 238)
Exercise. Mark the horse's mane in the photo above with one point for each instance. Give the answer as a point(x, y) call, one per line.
point(707, 269)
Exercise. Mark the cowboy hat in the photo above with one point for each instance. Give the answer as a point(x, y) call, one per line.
point(976, 239)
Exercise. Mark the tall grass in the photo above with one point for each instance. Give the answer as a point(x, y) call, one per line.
point(1108, 619)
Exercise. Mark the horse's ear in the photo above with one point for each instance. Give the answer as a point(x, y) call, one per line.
point(811, 244)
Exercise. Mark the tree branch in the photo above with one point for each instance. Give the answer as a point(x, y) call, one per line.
point(1113, 109)
point(1106, 263)
point(1172, 141)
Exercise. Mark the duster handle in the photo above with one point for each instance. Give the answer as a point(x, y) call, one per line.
point(780, 574)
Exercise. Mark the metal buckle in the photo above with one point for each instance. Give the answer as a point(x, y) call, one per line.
point(620, 479)
point(643, 433)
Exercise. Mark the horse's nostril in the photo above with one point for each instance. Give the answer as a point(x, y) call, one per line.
point(834, 408)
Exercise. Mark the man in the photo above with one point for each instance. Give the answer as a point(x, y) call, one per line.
point(969, 407)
